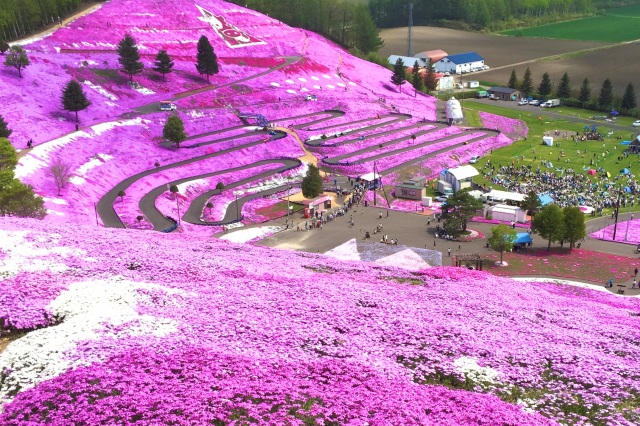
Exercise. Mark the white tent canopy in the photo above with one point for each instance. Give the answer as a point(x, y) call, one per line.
point(504, 195)
point(463, 172)
point(370, 177)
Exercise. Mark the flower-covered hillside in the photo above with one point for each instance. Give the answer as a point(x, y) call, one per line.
point(266, 68)
point(153, 328)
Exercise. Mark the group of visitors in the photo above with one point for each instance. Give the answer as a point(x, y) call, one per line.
point(565, 186)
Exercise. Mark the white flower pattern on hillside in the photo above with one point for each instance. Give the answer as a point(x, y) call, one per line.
point(90, 311)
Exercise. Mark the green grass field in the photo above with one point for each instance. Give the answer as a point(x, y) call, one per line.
point(535, 153)
point(617, 25)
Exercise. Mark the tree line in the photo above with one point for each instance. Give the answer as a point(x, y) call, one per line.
point(22, 17)
point(582, 97)
point(345, 22)
point(477, 14)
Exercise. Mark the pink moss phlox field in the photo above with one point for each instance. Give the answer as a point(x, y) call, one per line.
point(627, 232)
point(514, 129)
point(269, 314)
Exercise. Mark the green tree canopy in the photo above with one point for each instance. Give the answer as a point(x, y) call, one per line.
point(531, 202)
point(526, 86)
point(416, 78)
point(174, 130)
point(549, 224)
point(628, 99)
point(605, 100)
point(312, 183)
point(458, 210)
point(5, 131)
point(399, 74)
point(366, 34)
point(585, 92)
point(545, 87)
point(16, 58)
point(574, 226)
point(73, 98)
point(206, 59)
point(513, 80)
point(163, 63)
point(4, 46)
point(564, 88)
point(16, 198)
point(128, 57)
point(502, 239)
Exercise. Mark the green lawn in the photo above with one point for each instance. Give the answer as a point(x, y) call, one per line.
point(617, 26)
point(534, 152)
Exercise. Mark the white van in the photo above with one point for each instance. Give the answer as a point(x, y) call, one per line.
point(167, 106)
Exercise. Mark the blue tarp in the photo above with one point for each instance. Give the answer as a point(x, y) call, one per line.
point(625, 143)
point(545, 199)
point(625, 171)
point(523, 238)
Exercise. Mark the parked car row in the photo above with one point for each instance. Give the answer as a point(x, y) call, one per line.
point(475, 69)
point(541, 103)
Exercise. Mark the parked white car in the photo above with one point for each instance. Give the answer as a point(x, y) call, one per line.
point(534, 102)
point(311, 98)
point(523, 102)
point(474, 159)
point(636, 123)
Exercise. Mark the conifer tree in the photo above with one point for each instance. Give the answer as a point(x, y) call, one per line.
point(628, 99)
point(163, 63)
point(5, 131)
point(513, 80)
point(174, 130)
point(399, 74)
point(606, 95)
point(367, 38)
point(129, 58)
point(73, 98)
point(545, 87)
point(564, 88)
point(312, 183)
point(416, 78)
point(430, 78)
point(527, 83)
point(206, 60)
point(585, 92)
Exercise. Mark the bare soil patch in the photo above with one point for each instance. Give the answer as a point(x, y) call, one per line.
point(497, 50)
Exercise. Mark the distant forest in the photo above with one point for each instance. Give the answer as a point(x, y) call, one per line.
point(19, 18)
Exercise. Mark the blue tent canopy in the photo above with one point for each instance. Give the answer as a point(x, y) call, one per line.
point(627, 189)
point(625, 171)
point(523, 238)
point(545, 199)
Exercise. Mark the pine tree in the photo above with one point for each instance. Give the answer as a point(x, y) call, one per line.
point(73, 98)
point(585, 92)
point(367, 38)
point(545, 87)
point(163, 63)
point(628, 100)
point(174, 130)
point(312, 183)
point(5, 131)
point(606, 95)
point(16, 58)
point(207, 62)
point(16, 198)
point(430, 78)
point(399, 74)
point(513, 80)
point(527, 83)
point(129, 57)
point(564, 88)
point(416, 79)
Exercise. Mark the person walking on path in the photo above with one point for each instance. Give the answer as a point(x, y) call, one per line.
point(634, 283)
point(610, 282)
point(635, 273)
point(449, 251)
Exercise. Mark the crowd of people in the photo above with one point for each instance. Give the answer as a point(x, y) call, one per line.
point(565, 186)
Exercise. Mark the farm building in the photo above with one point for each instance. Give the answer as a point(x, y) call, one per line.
point(408, 60)
point(453, 111)
point(445, 82)
point(459, 64)
point(412, 189)
point(504, 93)
point(461, 177)
point(434, 55)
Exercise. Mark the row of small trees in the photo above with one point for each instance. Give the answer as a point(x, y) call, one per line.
point(420, 81)
point(605, 100)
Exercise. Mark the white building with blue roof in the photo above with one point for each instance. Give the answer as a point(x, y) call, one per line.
point(461, 63)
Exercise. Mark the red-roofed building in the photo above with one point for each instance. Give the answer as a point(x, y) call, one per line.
point(434, 55)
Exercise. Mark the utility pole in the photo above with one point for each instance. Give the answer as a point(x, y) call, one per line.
point(410, 34)
point(374, 184)
point(615, 226)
